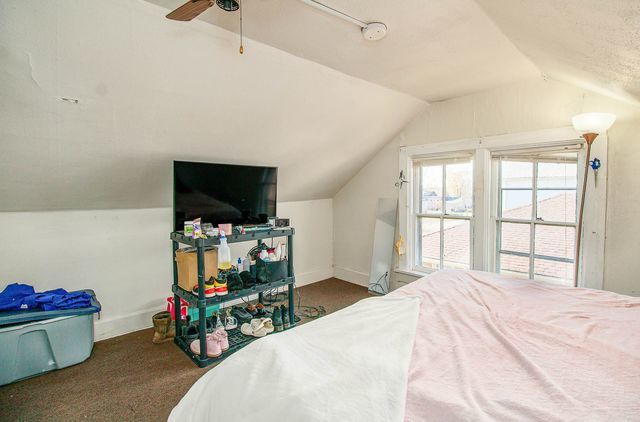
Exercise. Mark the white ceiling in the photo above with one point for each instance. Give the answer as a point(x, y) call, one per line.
point(435, 49)
point(594, 44)
point(150, 91)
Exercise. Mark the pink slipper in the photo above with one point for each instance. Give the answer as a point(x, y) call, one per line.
point(222, 338)
point(213, 346)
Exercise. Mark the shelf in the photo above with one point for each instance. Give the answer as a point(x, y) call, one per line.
point(232, 238)
point(237, 341)
point(258, 288)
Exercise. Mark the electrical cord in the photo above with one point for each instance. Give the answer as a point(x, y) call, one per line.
point(379, 285)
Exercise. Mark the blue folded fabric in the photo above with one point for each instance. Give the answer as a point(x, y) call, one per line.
point(23, 297)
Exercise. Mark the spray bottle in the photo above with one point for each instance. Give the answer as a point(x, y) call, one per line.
point(224, 253)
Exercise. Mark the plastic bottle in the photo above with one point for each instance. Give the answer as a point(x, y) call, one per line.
point(224, 253)
point(239, 265)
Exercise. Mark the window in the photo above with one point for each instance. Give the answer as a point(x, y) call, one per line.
point(443, 213)
point(503, 203)
point(536, 215)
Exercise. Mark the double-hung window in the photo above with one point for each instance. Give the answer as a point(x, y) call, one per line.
point(536, 214)
point(443, 213)
point(503, 203)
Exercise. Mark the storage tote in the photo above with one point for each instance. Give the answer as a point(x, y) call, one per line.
point(35, 342)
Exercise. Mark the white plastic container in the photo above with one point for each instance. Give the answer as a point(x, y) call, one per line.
point(224, 253)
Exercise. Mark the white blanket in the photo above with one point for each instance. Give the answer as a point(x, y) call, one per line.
point(351, 365)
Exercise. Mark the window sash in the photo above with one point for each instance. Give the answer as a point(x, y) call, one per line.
point(533, 221)
point(418, 215)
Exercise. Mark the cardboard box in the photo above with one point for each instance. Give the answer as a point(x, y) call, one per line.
point(187, 261)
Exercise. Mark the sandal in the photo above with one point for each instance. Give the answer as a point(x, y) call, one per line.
point(254, 329)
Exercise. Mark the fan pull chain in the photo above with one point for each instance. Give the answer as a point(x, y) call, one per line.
point(240, 7)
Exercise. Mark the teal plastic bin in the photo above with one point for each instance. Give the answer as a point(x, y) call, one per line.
point(35, 342)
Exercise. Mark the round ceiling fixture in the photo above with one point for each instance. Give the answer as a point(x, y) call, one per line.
point(228, 5)
point(374, 31)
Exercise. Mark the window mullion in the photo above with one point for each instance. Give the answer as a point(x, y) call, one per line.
point(444, 211)
point(534, 213)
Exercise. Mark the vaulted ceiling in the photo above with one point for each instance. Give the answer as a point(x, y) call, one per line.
point(594, 44)
point(439, 49)
point(435, 49)
point(142, 90)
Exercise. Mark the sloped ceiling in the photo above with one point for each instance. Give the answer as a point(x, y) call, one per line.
point(434, 50)
point(594, 44)
point(150, 90)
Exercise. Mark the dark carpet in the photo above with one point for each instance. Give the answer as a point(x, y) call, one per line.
point(130, 378)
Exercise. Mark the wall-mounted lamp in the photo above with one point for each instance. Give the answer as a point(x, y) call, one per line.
point(590, 125)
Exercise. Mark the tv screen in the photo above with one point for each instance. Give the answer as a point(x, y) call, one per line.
point(223, 193)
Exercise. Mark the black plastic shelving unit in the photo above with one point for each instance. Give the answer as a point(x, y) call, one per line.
point(237, 340)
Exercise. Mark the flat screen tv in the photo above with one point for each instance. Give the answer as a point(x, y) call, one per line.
point(223, 193)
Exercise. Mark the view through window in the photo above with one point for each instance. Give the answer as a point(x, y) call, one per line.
point(536, 224)
point(444, 214)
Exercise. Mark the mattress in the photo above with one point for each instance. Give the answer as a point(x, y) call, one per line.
point(452, 346)
point(495, 348)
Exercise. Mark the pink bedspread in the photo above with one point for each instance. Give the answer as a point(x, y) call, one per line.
point(495, 348)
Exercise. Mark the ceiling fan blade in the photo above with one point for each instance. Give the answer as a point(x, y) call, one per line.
point(190, 10)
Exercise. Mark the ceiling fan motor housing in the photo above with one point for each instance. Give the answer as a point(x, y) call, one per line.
point(228, 5)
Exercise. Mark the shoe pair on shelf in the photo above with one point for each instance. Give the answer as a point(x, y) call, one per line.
point(258, 327)
point(257, 310)
point(217, 343)
point(212, 287)
point(280, 318)
point(241, 314)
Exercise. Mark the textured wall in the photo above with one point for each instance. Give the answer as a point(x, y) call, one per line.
point(527, 106)
point(151, 90)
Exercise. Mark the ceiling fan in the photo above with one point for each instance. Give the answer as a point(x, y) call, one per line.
point(191, 9)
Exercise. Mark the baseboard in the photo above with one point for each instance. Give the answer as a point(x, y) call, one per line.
point(352, 276)
point(125, 324)
point(313, 276)
point(113, 327)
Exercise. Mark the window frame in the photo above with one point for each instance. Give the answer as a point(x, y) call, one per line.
point(533, 221)
point(418, 214)
point(484, 231)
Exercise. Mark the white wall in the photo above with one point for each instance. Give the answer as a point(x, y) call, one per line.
point(526, 106)
point(151, 90)
point(125, 255)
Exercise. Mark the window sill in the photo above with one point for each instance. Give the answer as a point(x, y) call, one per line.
point(413, 273)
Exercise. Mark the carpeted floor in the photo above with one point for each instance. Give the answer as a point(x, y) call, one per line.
point(129, 378)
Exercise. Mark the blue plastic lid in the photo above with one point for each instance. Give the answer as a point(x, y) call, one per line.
point(17, 317)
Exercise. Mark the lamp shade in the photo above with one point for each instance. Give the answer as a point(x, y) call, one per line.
point(593, 122)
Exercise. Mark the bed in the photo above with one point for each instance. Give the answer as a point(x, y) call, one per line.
point(455, 345)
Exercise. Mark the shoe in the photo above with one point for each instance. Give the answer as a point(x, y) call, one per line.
point(234, 282)
point(247, 280)
point(255, 329)
point(240, 314)
point(260, 310)
point(268, 325)
point(230, 323)
point(214, 348)
point(162, 327)
point(276, 318)
point(285, 317)
point(252, 309)
point(209, 325)
point(220, 287)
point(209, 288)
point(221, 337)
point(191, 332)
